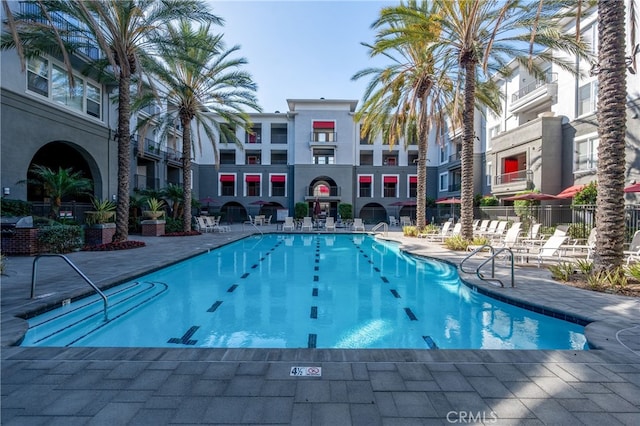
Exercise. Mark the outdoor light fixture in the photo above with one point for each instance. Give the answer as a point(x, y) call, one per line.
point(6, 190)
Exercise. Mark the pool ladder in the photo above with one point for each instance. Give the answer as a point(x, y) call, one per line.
point(75, 268)
point(491, 259)
point(384, 226)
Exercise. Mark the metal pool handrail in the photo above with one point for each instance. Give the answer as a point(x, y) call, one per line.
point(383, 225)
point(491, 259)
point(75, 268)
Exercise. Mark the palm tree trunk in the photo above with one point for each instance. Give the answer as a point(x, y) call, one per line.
point(611, 115)
point(421, 194)
point(186, 174)
point(124, 159)
point(466, 204)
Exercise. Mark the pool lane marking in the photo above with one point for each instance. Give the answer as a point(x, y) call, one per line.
point(314, 312)
point(215, 306)
point(311, 341)
point(233, 287)
point(395, 294)
point(384, 279)
point(430, 343)
point(410, 314)
point(314, 292)
point(186, 337)
point(245, 275)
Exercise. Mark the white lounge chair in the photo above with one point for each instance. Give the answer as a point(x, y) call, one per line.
point(437, 236)
point(330, 224)
point(357, 224)
point(288, 224)
point(551, 249)
point(307, 223)
point(633, 253)
point(393, 221)
point(202, 224)
point(405, 221)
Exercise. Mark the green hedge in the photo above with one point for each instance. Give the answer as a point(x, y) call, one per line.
point(61, 238)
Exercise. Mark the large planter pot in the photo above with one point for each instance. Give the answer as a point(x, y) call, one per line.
point(152, 214)
point(99, 218)
point(100, 233)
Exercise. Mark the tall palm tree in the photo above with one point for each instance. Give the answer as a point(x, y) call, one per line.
point(124, 31)
point(202, 80)
point(406, 99)
point(479, 38)
point(611, 114)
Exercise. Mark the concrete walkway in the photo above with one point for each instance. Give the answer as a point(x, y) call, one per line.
point(155, 386)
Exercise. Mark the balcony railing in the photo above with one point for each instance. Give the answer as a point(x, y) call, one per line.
point(455, 157)
point(152, 147)
point(517, 176)
point(334, 191)
point(325, 137)
point(141, 182)
point(173, 155)
point(549, 78)
point(74, 34)
point(454, 187)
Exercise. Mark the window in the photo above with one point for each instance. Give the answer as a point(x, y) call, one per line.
point(587, 97)
point(413, 186)
point(278, 157)
point(365, 188)
point(443, 181)
point(390, 160)
point(390, 186)
point(62, 93)
point(364, 139)
point(323, 156)
point(252, 157)
point(323, 131)
point(366, 158)
point(444, 154)
point(493, 133)
point(227, 157)
point(255, 135)
point(587, 154)
point(252, 188)
point(38, 76)
point(489, 173)
point(279, 133)
point(228, 185)
point(412, 158)
point(52, 81)
point(94, 100)
point(278, 185)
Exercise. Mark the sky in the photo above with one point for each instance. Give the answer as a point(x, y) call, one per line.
point(301, 49)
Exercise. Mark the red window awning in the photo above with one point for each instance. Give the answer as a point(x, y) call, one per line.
point(413, 179)
point(252, 178)
point(324, 125)
point(278, 178)
point(390, 179)
point(227, 178)
point(365, 179)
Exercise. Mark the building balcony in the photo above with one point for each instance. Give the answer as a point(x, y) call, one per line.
point(142, 182)
point(149, 149)
point(455, 187)
point(455, 157)
point(520, 180)
point(334, 191)
point(535, 94)
point(173, 156)
point(323, 139)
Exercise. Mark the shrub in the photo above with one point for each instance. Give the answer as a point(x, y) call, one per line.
point(489, 200)
point(120, 245)
point(2, 259)
point(345, 210)
point(173, 225)
point(587, 195)
point(456, 243)
point(633, 270)
point(14, 207)
point(61, 238)
point(410, 231)
point(578, 231)
point(301, 210)
point(562, 271)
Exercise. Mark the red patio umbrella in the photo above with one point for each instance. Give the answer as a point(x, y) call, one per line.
point(532, 196)
point(450, 200)
point(571, 191)
point(633, 188)
point(316, 208)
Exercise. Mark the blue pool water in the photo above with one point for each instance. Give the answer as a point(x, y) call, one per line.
point(300, 291)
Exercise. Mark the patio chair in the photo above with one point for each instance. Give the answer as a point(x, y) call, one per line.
point(551, 249)
point(330, 224)
point(578, 249)
point(202, 224)
point(484, 224)
point(267, 221)
point(405, 221)
point(307, 224)
point(288, 224)
point(444, 231)
point(633, 253)
point(393, 221)
point(357, 224)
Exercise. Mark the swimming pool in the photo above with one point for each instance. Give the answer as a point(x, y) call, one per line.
point(302, 291)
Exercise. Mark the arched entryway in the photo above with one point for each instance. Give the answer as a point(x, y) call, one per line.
point(233, 212)
point(66, 155)
point(270, 209)
point(373, 213)
point(324, 192)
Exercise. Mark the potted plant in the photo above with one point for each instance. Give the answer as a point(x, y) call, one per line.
point(101, 228)
point(156, 209)
point(103, 212)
